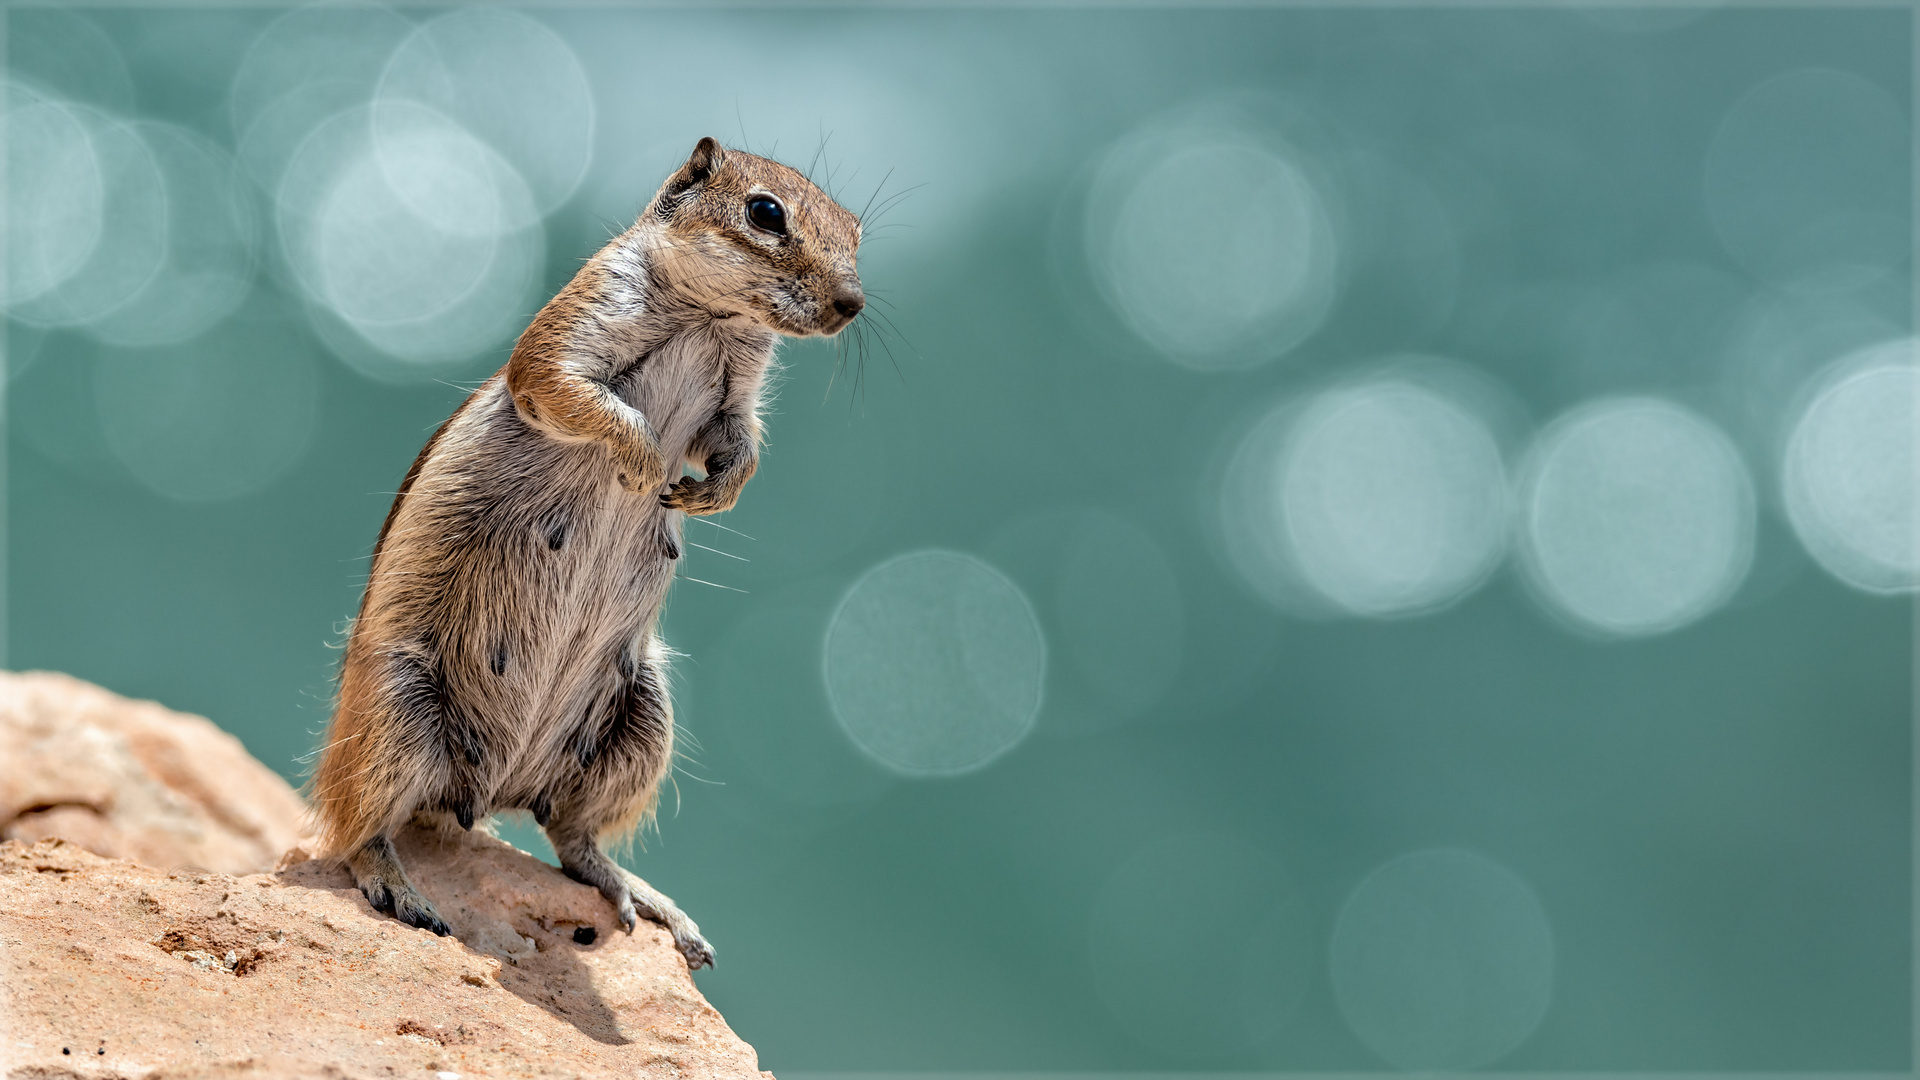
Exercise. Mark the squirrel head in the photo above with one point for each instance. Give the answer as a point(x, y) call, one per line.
point(742, 235)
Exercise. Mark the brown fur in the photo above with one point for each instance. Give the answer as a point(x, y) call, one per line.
point(505, 656)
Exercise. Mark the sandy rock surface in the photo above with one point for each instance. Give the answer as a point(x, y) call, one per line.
point(134, 780)
point(113, 969)
point(177, 968)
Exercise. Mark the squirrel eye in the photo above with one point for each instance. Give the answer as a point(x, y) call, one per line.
point(766, 214)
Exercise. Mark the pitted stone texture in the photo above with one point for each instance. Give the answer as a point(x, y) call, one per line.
point(131, 779)
point(291, 974)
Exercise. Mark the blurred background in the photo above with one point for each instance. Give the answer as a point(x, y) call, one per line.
point(1354, 539)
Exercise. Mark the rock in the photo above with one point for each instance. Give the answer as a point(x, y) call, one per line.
point(134, 780)
point(113, 969)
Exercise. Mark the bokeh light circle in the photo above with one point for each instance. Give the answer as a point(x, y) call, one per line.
point(1394, 499)
point(306, 67)
point(1637, 517)
point(413, 247)
point(1200, 945)
point(1442, 959)
point(444, 175)
point(133, 215)
point(1386, 496)
point(1851, 482)
point(509, 80)
point(55, 195)
point(1806, 180)
point(1211, 242)
point(213, 234)
point(935, 663)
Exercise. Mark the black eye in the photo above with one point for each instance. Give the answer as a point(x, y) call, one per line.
point(767, 214)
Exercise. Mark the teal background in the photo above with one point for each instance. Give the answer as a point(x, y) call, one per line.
point(1715, 820)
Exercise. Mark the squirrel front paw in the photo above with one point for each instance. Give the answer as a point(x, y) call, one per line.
point(700, 497)
point(639, 472)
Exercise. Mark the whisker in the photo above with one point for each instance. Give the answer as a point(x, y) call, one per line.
point(697, 779)
point(715, 584)
point(894, 199)
point(888, 349)
point(717, 525)
point(833, 376)
point(717, 551)
point(817, 152)
point(875, 195)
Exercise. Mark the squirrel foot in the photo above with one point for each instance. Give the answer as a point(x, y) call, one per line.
point(633, 900)
point(383, 881)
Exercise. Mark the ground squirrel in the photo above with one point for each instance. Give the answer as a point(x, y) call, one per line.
point(505, 654)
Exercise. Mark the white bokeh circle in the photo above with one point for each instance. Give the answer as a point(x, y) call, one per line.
point(1394, 499)
point(1386, 496)
point(1807, 180)
point(412, 244)
point(1851, 483)
point(309, 65)
point(935, 663)
point(133, 214)
point(507, 79)
point(55, 207)
point(1442, 959)
point(1636, 517)
point(1210, 240)
point(213, 239)
point(139, 233)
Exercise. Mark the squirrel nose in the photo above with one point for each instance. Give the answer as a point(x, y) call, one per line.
point(848, 300)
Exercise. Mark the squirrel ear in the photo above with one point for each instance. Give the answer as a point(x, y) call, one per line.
point(706, 160)
point(707, 157)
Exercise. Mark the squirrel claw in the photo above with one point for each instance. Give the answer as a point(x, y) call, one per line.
point(406, 905)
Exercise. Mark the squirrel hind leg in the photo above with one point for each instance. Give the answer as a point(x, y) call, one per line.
point(622, 754)
point(377, 870)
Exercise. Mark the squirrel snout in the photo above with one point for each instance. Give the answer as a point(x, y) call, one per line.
point(848, 299)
